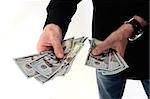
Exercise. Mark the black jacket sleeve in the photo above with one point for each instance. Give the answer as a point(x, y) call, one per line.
point(140, 8)
point(144, 10)
point(60, 13)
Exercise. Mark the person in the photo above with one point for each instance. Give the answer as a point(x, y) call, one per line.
point(108, 25)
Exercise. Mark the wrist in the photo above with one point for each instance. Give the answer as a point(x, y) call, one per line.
point(53, 30)
point(137, 27)
point(126, 30)
point(53, 27)
point(129, 30)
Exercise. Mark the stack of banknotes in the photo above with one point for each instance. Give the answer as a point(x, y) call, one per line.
point(46, 66)
point(108, 63)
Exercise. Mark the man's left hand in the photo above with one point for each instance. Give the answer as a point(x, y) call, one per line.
point(117, 40)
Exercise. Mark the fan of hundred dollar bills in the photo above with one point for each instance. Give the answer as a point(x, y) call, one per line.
point(108, 63)
point(46, 66)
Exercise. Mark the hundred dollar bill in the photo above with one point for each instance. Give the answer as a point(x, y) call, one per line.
point(109, 62)
point(114, 62)
point(74, 51)
point(67, 45)
point(78, 43)
point(123, 65)
point(65, 63)
point(46, 65)
point(66, 69)
point(78, 40)
point(22, 63)
point(43, 79)
point(99, 61)
point(70, 58)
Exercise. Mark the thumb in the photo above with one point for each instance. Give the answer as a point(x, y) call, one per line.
point(58, 50)
point(100, 48)
point(121, 51)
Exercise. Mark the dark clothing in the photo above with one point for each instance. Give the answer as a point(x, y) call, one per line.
point(108, 15)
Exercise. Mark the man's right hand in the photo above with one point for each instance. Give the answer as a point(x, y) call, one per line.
point(51, 38)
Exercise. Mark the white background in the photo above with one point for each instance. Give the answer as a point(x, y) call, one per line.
point(21, 23)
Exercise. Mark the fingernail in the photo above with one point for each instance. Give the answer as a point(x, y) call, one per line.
point(60, 55)
point(94, 52)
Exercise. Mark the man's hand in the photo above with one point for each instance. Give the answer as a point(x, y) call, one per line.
point(117, 40)
point(51, 38)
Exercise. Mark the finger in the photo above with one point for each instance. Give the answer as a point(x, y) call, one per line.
point(43, 43)
point(43, 47)
point(100, 48)
point(120, 51)
point(58, 50)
